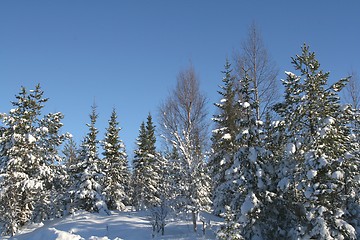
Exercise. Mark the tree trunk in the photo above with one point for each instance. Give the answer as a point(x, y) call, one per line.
point(194, 220)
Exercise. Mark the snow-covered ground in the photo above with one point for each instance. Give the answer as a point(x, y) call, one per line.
point(119, 225)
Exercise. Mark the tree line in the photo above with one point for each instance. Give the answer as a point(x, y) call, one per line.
point(275, 170)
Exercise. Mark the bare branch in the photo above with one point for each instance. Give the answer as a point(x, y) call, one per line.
point(183, 115)
point(352, 95)
point(255, 60)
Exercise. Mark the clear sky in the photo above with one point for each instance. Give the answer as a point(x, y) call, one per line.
point(126, 54)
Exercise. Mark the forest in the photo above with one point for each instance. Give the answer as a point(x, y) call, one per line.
point(272, 167)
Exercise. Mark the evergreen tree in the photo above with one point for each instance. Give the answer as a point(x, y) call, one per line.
point(87, 174)
point(138, 181)
point(319, 169)
point(147, 172)
point(173, 177)
point(273, 203)
point(29, 159)
point(70, 152)
point(71, 165)
point(247, 176)
point(224, 144)
point(230, 228)
point(117, 175)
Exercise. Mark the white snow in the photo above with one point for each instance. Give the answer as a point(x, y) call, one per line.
point(226, 136)
point(283, 183)
point(308, 193)
point(245, 104)
point(259, 123)
point(338, 175)
point(15, 138)
point(329, 120)
point(245, 132)
point(44, 129)
point(249, 204)
point(118, 226)
point(150, 155)
point(31, 138)
point(222, 162)
point(341, 224)
point(322, 161)
point(311, 174)
point(252, 154)
point(348, 155)
point(32, 184)
point(62, 235)
point(290, 74)
point(290, 148)
point(219, 130)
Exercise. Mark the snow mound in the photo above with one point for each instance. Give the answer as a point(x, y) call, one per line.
point(62, 235)
point(116, 226)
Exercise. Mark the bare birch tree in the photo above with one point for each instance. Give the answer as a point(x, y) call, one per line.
point(352, 97)
point(352, 94)
point(183, 119)
point(254, 59)
point(184, 114)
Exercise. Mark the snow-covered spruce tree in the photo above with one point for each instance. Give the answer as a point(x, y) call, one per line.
point(28, 157)
point(117, 176)
point(70, 159)
point(248, 172)
point(50, 140)
point(87, 175)
point(147, 172)
point(70, 152)
point(173, 177)
point(224, 144)
point(274, 207)
point(159, 163)
point(230, 228)
point(184, 128)
point(319, 170)
point(138, 165)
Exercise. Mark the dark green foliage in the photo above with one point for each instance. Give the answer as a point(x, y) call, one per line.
point(70, 152)
point(319, 153)
point(115, 164)
point(87, 174)
point(147, 169)
point(224, 144)
point(28, 154)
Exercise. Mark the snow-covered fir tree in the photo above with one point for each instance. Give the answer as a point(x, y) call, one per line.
point(319, 172)
point(70, 159)
point(273, 203)
point(248, 174)
point(147, 172)
point(173, 178)
point(70, 152)
point(230, 228)
point(117, 176)
point(51, 139)
point(29, 162)
point(87, 173)
point(224, 144)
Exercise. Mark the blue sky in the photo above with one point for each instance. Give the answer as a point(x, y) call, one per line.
point(126, 54)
